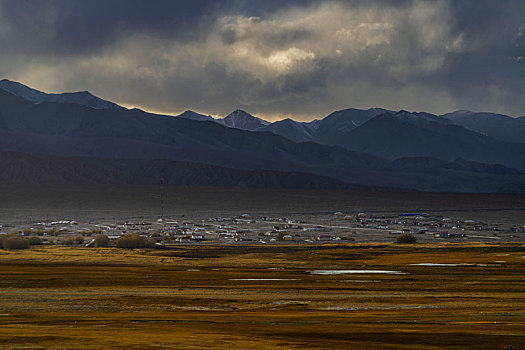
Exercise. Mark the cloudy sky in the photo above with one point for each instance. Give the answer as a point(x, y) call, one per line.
point(272, 58)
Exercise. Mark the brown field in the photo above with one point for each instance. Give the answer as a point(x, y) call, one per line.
point(207, 296)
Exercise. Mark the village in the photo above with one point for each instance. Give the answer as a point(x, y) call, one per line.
point(338, 226)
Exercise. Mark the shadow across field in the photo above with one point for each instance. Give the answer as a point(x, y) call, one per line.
point(97, 202)
point(432, 296)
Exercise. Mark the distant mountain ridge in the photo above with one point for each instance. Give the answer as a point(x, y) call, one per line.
point(374, 148)
point(195, 116)
point(334, 129)
point(83, 98)
point(70, 130)
point(242, 120)
point(237, 119)
point(292, 130)
point(499, 126)
point(393, 135)
point(388, 134)
point(404, 134)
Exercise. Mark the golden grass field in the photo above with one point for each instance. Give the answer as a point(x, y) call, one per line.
point(212, 296)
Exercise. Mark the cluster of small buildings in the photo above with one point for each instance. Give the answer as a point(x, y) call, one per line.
point(264, 229)
point(420, 223)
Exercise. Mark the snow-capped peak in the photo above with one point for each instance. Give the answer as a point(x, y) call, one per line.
point(240, 119)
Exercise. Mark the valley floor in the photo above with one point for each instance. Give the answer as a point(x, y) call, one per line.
point(345, 296)
point(98, 202)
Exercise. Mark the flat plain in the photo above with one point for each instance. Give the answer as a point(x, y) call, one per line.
point(351, 296)
point(439, 295)
point(96, 202)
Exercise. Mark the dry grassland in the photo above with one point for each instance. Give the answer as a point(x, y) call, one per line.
point(259, 297)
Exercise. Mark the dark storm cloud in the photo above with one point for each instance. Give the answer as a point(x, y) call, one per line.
point(489, 67)
point(271, 57)
point(80, 26)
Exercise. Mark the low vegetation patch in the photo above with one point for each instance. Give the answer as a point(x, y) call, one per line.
point(69, 241)
point(35, 240)
point(406, 238)
point(78, 240)
point(101, 241)
point(133, 240)
point(14, 241)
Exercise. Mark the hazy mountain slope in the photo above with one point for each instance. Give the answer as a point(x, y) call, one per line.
point(458, 164)
point(499, 126)
point(20, 115)
point(83, 98)
point(414, 174)
point(459, 175)
point(292, 130)
point(195, 116)
point(331, 130)
point(403, 134)
point(334, 129)
point(31, 169)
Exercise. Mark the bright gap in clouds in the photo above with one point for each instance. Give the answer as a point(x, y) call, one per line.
point(294, 59)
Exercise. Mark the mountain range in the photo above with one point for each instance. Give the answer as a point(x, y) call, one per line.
point(498, 126)
point(350, 149)
point(482, 137)
point(83, 98)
